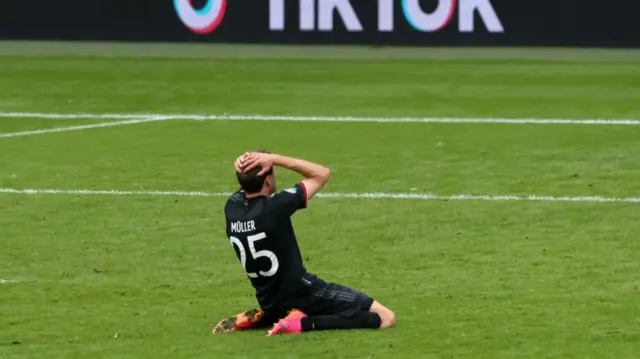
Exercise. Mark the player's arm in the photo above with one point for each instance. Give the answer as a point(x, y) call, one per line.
point(315, 175)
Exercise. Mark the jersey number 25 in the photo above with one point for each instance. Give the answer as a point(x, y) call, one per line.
point(251, 240)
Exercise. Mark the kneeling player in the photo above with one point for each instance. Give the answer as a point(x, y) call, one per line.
point(259, 227)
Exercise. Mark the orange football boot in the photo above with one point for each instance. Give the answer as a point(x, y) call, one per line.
point(243, 321)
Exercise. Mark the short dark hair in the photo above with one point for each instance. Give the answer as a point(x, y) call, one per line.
point(250, 182)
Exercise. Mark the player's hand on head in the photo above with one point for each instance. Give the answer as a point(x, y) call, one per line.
point(240, 163)
point(252, 160)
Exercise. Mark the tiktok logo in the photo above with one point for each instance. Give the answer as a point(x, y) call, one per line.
point(201, 21)
point(321, 15)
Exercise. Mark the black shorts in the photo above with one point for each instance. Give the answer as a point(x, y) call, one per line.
point(321, 298)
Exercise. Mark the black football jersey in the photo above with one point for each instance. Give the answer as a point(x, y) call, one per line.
point(262, 235)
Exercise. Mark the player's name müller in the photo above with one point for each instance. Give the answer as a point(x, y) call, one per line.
point(241, 227)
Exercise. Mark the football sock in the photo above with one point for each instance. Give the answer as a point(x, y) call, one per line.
point(361, 320)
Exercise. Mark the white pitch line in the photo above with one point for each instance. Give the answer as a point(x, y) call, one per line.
point(228, 117)
point(7, 281)
point(78, 128)
point(115, 192)
point(366, 195)
point(73, 116)
point(397, 119)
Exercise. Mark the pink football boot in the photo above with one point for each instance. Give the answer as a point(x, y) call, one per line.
point(291, 324)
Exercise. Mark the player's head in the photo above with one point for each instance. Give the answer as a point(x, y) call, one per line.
point(251, 183)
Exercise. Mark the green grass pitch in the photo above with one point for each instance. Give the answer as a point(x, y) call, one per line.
point(467, 279)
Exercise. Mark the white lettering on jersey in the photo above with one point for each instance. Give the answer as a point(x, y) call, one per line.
point(241, 227)
point(251, 240)
point(291, 190)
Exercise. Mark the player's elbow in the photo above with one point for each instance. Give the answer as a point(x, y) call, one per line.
point(326, 175)
point(323, 175)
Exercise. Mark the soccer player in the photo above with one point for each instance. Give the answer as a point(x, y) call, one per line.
point(259, 227)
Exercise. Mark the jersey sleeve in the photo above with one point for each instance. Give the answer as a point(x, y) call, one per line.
point(290, 200)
